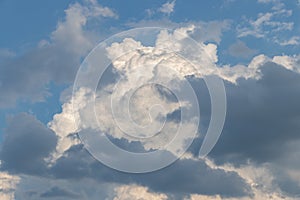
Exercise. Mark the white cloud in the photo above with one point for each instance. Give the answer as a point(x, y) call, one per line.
point(295, 40)
point(203, 31)
point(70, 33)
point(289, 62)
point(135, 192)
point(64, 124)
point(139, 67)
point(167, 8)
point(267, 25)
point(8, 184)
point(277, 4)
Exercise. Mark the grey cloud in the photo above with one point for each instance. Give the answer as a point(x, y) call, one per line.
point(188, 176)
point(181, 178)
point(26, 143)
point(37, 188)
point(240, 49)
point(262, 117)
point(289, 186)
point(262, 124)
point(26, 77)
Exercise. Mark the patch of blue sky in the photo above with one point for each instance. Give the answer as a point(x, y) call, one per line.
point(27, 22)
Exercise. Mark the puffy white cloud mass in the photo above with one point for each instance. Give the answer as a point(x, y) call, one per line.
point(139, 66)
point(8, 183)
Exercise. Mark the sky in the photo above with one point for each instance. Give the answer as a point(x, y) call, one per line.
point(131, 100)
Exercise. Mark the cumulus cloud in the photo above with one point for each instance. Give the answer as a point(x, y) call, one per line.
point(257, 94)
point(64, 124)
point(129, 63)
point(262, 75)
point(259, 73)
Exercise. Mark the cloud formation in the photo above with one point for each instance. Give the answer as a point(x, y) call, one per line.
point(27, 76)
point(256, 157)
point(167, 8)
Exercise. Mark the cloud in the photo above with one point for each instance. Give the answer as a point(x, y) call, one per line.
point(77, 164)
point(240, 49)
point(191, 176)
point(257, 95)
point(26, 143)
point(64, 124)
point(37, 188)
point(277, 4)
point(56, 192)
point(77, 169)
point(292, 41)
point(26, 77)
point(167, 8)
point(261, 126)
point(6, 54)
point(128, 64)
point(135, 192)
point(210, 31)
point(8, 183)
point(71, 34)
point(267, 114)
point(289, 62)
point(267, 25)
point(260, 77)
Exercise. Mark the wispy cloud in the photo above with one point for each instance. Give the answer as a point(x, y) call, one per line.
point(167, 8)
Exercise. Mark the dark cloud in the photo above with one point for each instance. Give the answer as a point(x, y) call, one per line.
point(26, 143)
point(289, 186)
point(262, 124)
point(189, 176)
point(262, 116)
point(181, 178)
point(262, 119)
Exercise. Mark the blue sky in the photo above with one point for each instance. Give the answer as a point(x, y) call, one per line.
point(252, 46)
